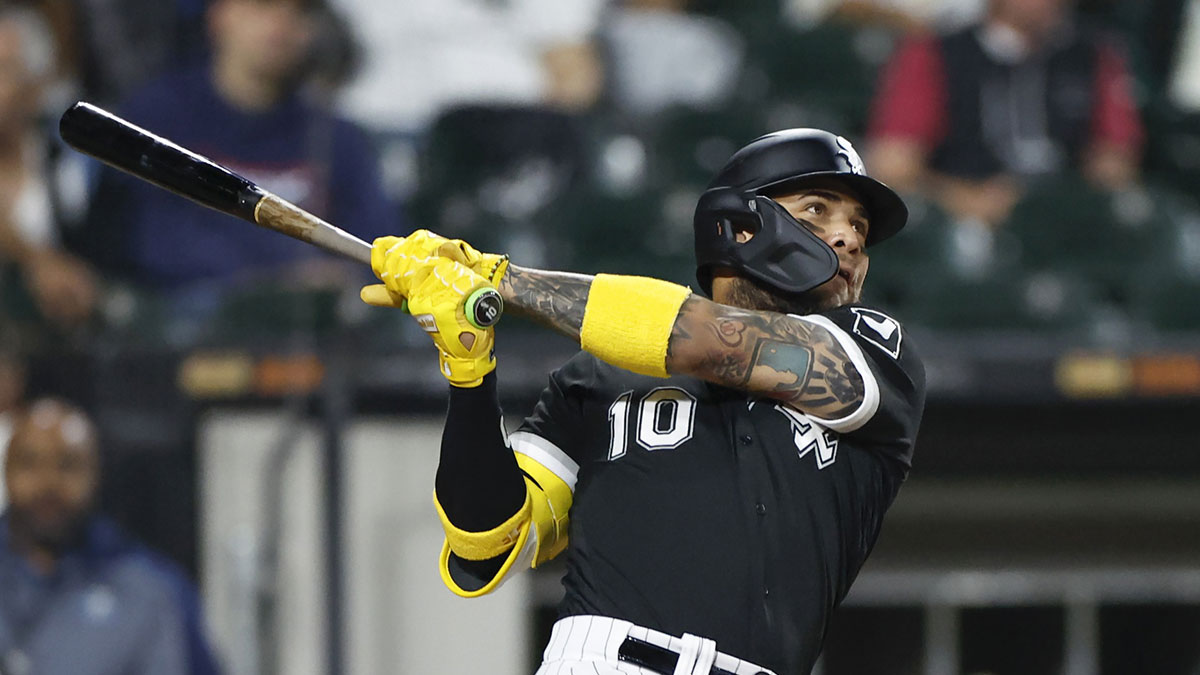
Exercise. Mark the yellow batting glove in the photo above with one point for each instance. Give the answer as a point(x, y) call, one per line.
point(402, 262)
point(424, 243)
point(490, 266)
point(465, 352)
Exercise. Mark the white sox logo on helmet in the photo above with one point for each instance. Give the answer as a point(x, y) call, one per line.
point(851, 155)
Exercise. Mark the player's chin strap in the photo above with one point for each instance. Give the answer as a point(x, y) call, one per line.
point(783, 253)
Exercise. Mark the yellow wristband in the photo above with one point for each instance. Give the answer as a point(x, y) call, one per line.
point(627, 321)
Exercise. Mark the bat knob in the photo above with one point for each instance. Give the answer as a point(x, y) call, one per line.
point(484, 307)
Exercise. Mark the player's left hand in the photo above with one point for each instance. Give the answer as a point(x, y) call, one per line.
point(465, 353)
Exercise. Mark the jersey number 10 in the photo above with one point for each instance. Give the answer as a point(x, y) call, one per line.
point(666, 417)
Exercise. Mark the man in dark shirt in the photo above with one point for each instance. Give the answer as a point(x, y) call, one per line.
point(968, 118)
point(712, 520)
point(246, 108)
point(79, 596)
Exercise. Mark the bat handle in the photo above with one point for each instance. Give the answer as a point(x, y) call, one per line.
point(483, 307)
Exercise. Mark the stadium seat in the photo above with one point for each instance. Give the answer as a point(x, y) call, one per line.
point(827, 72)
point(265, 311)
point(921, 248)
point(932, 248)
point(691, 145)
point(1172, 154)
point(648, 233)
point(1064, 224)
point(483, 166)
point(1009, 302)
point(753, 19)
point(1164, 291)
point(1169, 303)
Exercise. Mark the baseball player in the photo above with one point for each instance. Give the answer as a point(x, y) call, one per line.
point(715, 470)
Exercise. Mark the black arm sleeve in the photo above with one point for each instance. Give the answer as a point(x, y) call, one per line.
point(479, 484)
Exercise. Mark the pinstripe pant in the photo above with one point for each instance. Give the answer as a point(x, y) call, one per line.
point(587, 645)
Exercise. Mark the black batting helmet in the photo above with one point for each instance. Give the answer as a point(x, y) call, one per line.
point(783, 253)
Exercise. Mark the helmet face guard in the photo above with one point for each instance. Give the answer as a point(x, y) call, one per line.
point(783, 253)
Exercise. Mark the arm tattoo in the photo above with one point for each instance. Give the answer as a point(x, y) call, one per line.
point(552, 299)
point(767, 353)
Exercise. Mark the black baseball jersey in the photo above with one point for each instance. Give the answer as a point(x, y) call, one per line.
point(703, 510)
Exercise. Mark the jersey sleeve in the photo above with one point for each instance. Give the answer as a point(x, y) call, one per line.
point(893, 378)
point(538, 531)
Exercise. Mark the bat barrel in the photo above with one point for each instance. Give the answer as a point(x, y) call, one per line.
point(134, 150)
point(130, 148)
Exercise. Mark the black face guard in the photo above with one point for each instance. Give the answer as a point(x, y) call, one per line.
point(783, 253)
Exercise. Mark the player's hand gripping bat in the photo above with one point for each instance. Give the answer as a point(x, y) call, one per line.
point(134, 150)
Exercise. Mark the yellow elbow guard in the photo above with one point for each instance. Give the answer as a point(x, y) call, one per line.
point(627, 321)
point(489, 544)
point(526, 540)
point(551, 503)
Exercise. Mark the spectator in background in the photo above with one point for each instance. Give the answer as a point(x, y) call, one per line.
point(248, 109)
point(968, 117)
point(661, 55)
point(12, 389)
point(119, 45)
point(424, 56)
point(79, 596)
point(37, 193)
point(108, 48)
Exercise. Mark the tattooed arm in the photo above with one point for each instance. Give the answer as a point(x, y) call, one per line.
point(776, 355)
point(552, 299)
point(767, 353)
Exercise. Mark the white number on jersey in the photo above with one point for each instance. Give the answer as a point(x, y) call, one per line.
point(666, 418)
point(618, 425)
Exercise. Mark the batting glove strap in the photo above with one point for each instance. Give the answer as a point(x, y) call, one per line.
point(498, 266)
point(466, 373)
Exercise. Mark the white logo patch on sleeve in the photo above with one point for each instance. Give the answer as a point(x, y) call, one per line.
point(879, 329)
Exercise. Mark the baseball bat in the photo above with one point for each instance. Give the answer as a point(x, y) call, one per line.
point(129, 148)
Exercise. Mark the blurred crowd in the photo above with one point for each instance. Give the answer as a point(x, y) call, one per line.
point(577, 132)
point(1049, 149)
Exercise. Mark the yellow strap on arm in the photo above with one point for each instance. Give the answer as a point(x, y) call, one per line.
point(491, 584)
point(484, 545)
point(510, 536)
point(627, 321)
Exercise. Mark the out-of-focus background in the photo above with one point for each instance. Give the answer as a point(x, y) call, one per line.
point(277, 439)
